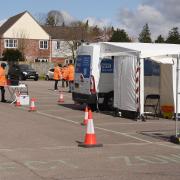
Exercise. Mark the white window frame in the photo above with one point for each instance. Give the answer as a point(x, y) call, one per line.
point(43, 44)
point(10, 43)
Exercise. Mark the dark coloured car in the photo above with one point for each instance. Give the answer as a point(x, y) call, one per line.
point(22, 72)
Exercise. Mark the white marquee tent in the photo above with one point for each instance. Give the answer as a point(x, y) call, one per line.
point(128, 57)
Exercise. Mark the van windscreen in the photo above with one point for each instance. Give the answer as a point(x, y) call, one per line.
point(83, 63)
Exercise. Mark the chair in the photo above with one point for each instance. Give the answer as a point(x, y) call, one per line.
point(152, 105)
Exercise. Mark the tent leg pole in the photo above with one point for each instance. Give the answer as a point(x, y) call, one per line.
point(177, 94)
point(176, 138)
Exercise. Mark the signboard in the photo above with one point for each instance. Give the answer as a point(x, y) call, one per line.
point(83, 63)
point(107, 66)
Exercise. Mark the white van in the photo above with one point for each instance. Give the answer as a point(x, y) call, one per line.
point(93, 82)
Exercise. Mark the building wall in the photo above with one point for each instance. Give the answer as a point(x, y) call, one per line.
point(26, 27)
point(58, 60)
point(30, 49)
point(63, 52)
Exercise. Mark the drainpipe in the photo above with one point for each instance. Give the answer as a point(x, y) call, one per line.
point(50, 49)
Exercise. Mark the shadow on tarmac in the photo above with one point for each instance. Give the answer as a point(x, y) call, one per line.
point(161, 135)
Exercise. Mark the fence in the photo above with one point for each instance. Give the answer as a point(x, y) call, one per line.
point(41, 67)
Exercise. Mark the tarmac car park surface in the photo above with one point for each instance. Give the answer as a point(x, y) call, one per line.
point(42, 145)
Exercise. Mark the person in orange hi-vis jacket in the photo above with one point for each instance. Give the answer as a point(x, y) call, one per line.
point(65, 76)
point(3, 81)
point(57, 76)
point(70, 75)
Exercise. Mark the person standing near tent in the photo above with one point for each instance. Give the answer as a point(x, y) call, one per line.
point(70, 75)
point(57, 76)
point(3, 81)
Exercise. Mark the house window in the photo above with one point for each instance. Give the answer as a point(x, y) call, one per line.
point(57, 44)
point(11, 43)
point(43, 44)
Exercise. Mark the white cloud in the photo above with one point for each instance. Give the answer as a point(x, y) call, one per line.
point(99, 22)
point(160, 15)
point(67, 17)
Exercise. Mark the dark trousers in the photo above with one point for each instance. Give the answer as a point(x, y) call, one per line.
point(55, 84)
point(64, 82)
point(71, 86)
point(2, 93)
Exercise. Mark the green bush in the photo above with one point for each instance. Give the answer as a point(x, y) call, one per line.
point(12, 55)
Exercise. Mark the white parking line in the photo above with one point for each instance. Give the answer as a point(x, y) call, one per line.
point(107, 130)
point(124, 134)
point(58, 117)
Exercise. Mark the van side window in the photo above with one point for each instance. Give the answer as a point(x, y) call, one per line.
point(83, 63)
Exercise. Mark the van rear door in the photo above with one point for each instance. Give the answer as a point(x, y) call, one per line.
point(82, 74)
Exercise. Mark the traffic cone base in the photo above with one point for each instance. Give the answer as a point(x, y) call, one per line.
point(89, 145)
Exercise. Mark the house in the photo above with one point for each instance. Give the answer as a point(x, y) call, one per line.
point(63, 42)
point(40, 43)
point(22, 31)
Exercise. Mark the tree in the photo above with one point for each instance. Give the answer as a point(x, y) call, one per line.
point(12, 55)
point(145, 35)
point(54, 18)
point(160, 39)
point(120, 35)
point(173, 36)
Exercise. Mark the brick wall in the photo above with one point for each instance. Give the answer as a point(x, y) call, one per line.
point(58, 60)
point(30, 48)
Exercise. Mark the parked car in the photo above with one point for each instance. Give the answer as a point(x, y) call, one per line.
point(50, 74)
point(22, 72)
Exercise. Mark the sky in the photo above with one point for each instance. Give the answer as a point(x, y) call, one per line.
point(130, 15)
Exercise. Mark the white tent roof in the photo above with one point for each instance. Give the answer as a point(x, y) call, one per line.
point(155, 51)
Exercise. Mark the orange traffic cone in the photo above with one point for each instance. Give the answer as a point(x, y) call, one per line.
point(61, 97)
point(90, 138)
point(32, 106)
point(84, 123)
point(18, 100)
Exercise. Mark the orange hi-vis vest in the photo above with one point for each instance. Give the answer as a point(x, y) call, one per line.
point(57, 73)
point(3, 80)
point(71, 72)
point(65, 73)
